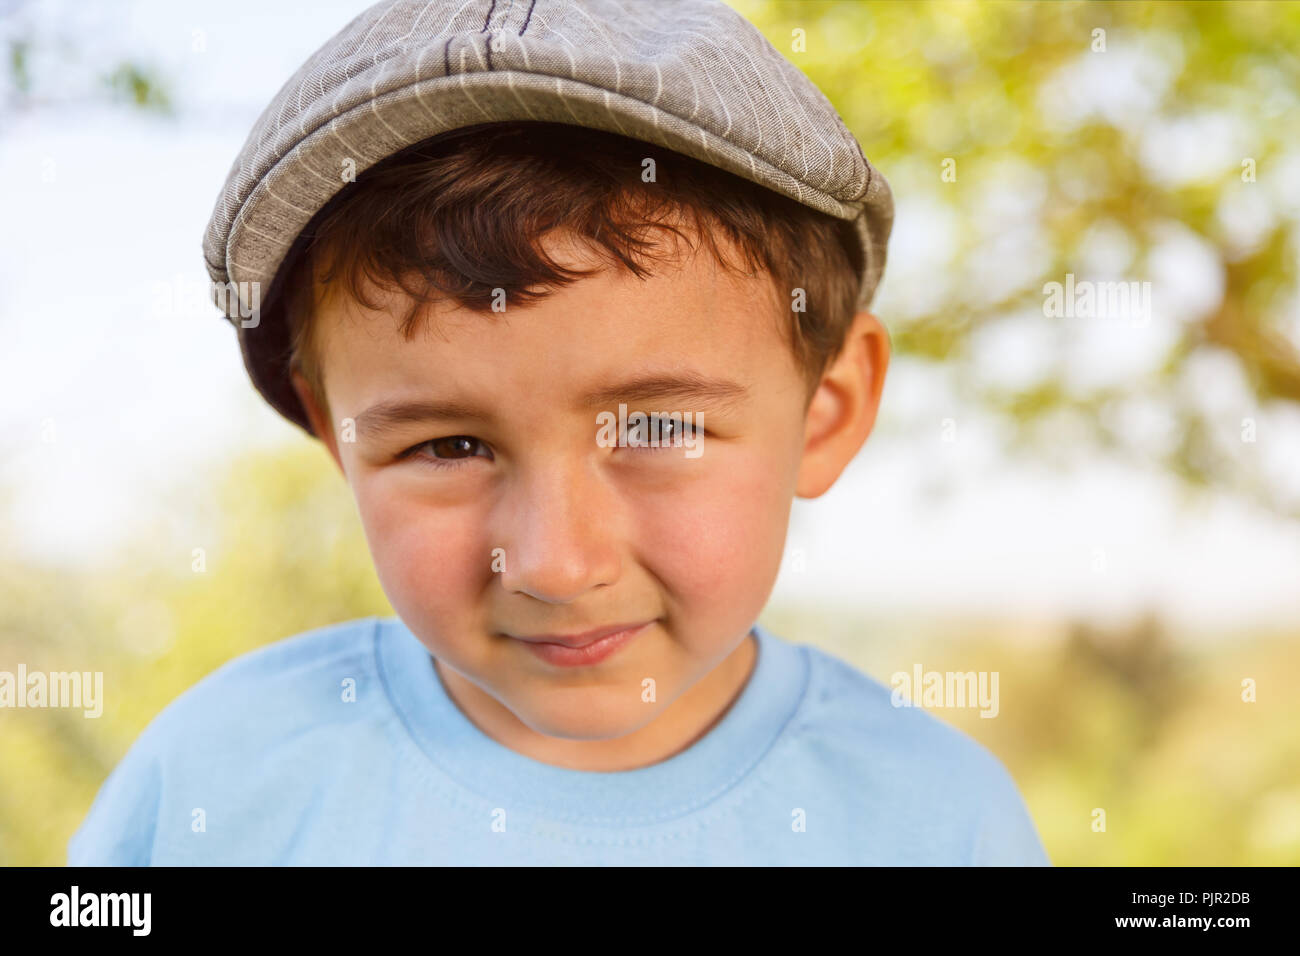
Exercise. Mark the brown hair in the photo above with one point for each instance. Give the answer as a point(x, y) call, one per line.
point(460, 215)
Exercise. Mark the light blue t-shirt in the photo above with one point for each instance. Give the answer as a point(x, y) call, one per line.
point(266, 761)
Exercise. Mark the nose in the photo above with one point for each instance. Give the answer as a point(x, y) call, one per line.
point(557, 533)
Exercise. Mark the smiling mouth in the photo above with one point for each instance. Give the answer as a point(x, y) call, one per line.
point(584, 649)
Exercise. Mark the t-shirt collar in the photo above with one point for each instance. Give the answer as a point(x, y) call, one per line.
point(670, 788)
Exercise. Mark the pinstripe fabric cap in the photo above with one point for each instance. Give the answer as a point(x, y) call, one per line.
point(691, 76)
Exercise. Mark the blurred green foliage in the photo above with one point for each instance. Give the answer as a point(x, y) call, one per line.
point(43, 54)
point(140, 87)
point(1128, 147)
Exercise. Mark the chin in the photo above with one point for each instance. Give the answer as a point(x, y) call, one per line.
point(586, 713)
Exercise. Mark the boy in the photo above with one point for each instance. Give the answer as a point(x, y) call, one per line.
point(574, 294)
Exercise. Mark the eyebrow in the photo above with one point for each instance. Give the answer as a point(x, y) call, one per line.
point(695, 391)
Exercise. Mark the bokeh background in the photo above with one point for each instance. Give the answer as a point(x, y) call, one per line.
point(1105, 511)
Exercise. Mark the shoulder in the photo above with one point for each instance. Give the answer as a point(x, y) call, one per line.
point(913, 763)
point(298, 689)
point(841, 697)
point(290, 685)
point(317, 650)
point(296, 676)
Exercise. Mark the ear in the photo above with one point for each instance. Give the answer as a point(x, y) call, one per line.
point(843, 409)
point(320, 423)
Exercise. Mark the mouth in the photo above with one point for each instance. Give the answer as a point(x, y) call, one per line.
point(584, 649)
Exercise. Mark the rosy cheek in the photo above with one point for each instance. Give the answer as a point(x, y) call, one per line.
point(425, 556)
point(724, 538)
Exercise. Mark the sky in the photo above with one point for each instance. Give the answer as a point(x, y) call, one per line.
point(109, 344)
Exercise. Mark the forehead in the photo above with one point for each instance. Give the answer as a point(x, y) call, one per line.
point(690, 314)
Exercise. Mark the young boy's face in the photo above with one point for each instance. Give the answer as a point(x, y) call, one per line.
point(529, 527)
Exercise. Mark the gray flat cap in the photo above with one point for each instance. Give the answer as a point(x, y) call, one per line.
point(691, 76)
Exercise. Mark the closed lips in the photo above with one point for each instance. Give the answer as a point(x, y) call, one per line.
point(581, 639)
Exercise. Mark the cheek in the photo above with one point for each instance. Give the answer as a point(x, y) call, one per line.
point(722, 542)
point(427, 558)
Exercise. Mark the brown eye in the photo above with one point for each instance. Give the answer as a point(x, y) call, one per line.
point(447, 452)
point(455, 446)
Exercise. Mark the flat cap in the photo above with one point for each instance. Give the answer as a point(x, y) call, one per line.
point(691, 76)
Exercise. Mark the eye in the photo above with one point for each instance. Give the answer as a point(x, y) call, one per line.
point(673, 433)
point(450, 451)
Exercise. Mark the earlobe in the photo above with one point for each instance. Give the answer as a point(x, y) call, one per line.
point(843, 408)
